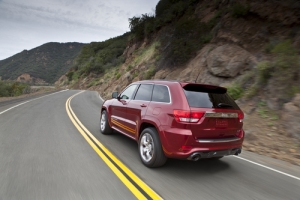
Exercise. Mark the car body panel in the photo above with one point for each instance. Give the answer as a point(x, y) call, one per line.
point(136, 110)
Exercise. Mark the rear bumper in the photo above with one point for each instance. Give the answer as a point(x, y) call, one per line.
point(211, 154)
point(225, 140)
point(180, 143)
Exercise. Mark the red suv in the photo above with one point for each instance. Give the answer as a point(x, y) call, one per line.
point(172, 119)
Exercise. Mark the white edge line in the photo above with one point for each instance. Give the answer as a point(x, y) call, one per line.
point(100, 97)
point(275, 170)
point(30, 101)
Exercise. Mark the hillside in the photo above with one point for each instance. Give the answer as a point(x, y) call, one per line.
point(45, 63)
point(249, 46)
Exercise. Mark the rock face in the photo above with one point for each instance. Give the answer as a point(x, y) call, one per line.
point(229, 61)
point(61, 81)
point(26, 78)
point(217, 65)
point(291, 116)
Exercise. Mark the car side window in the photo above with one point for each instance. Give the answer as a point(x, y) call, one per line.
point(144, 92)
point(161, 94)
point(128, 92)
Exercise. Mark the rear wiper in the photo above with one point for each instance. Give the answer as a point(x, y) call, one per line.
point(224, 105)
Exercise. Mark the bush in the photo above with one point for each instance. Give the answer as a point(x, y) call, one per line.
point(70, 75)
point(239, 10)
point(150, 73)
point(251, 91)
point(142, 26)
point(97, 57)
point(235, 91)
point(161, 7)
point(282, 74)
point(118, 75)
point(4, 89)
point(189, 36)
point(129, 67)
point(286, 69)
point(13, 89)
point(264, 72)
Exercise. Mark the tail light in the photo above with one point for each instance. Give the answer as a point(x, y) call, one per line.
point(240, 133)
point(185, 148)
point(241, 116)
point(188, 116)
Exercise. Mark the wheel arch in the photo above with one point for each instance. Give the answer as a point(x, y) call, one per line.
point(108, 114)
point(145, 125)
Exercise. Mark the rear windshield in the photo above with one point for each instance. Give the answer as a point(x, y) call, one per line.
point(209, 98)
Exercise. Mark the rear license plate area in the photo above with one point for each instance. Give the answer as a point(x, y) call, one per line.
point(222, 123)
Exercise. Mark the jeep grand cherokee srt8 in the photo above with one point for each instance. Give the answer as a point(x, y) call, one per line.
point(172, 119)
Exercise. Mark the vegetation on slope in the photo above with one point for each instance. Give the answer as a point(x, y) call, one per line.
point(12, 89)
point(171, 37)
point(278, 77)
point(184, 34)
point(47, 62)
point(97, 57)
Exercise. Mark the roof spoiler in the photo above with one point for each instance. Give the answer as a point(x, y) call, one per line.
point(203, 88)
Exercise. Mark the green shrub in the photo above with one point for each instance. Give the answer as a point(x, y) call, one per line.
point(294, 90)
point(264, 72)
point(136, 73)
point(13, 89)
point(251, 91)
point(75, 76)
point(4, 89)
point(129, 67)
point(235, 91)
point(161, 7)
point(188, 37)
point(270, 46)
point(286, 69)
point(285, 48)
point(70, 75)
point(150, 73)
point(282, 73)
point(239, 10)
point(97, 57)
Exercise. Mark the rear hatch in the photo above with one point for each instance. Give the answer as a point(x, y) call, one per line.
point(219, 116)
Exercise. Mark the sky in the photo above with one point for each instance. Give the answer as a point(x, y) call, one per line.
point(26, 24)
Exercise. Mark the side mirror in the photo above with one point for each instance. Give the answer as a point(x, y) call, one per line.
point(115, 95)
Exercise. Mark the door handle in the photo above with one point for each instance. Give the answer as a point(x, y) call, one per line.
point(143, 105)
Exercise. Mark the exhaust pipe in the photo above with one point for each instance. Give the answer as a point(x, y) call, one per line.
point(194, 157)
point(238, 152)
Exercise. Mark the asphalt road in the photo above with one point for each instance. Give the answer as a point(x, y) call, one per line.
point(43, 156)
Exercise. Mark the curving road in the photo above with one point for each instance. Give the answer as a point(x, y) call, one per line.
point(44, 156)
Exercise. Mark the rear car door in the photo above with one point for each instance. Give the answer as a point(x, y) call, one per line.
point(137, 107)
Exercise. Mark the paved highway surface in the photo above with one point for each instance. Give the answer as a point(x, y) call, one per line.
point(44, 156)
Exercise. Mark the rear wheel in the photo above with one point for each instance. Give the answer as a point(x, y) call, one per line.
point(104, 125)
point(150, 148)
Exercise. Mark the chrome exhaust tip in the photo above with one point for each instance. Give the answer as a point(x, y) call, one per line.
point(194, 157)
point(238, 152)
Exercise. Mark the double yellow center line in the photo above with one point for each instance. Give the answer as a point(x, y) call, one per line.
point(139, 189)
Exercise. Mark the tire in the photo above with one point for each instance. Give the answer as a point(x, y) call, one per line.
point(150, 149)
point(104, 125)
